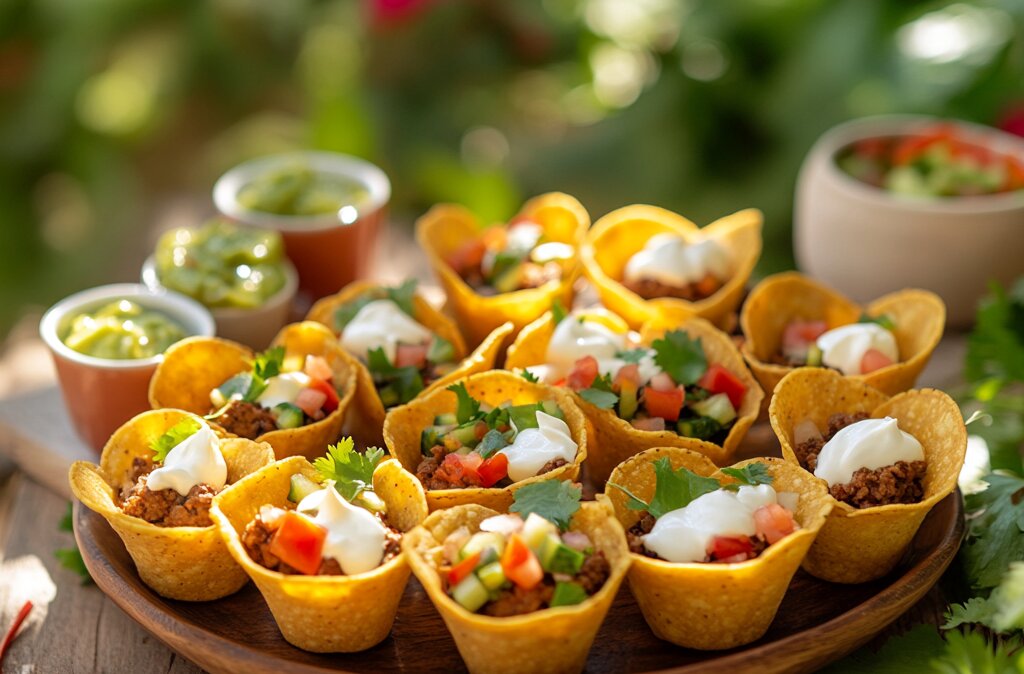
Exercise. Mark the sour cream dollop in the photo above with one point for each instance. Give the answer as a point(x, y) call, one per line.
point(381, 324)
point(669, 259)
point(534, 447)
point(871, 444)
point(284, 388)
point(844, 347)
point(573, 339)
point(194, 460)
point(685, 534)
point(355, 537)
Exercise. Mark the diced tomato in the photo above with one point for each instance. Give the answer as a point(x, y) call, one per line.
point(728, 547)
point(463, 569)
point(719, 380)
point(707, 286)
point(1014, 174)
point(331, 402)
point(495, 238)
point(773, 522)
point(310, 401)
point(584, 372)
point(649, 424)
point(480, 430)
point(630, 373)
point(661, 382)
point(664, 404)
point(414, 355)
point(798, 334)
point(299, 542)
point(461, 467)
point(318, 368)
point(519, 563)
point(467, 256)
point(873, 360)
point(493, 470)
point(871, 147)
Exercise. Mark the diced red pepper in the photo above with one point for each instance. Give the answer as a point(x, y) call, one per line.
point(311, 401)
point(798, 334)
point(872, 360)
point(664, 404)
point(519, 563)
point(773, 522)
point(719, 380)
point(318, 368)
point(414, 355)
point(331, 401)
point(467, 256)
point(299, 542)
point(630, 373)
point(461, 467)
point(584, 372)
point(727, 547)
point(493, 470)
point(459, 572)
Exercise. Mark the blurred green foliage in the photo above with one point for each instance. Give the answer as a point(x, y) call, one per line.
point(112, 109)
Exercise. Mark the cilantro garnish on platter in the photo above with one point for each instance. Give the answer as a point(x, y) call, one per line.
point(174, 436)
point(351, 471)
point(554, 500)
point(680, 357)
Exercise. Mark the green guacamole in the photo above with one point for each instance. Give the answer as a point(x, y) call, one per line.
point(222, 265)
point(122, 330)
point(300, 190)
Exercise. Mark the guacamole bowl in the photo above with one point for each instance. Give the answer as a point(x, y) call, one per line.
point(102, 393)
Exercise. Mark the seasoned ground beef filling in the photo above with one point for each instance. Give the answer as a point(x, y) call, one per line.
point(517, 601)
point(650, 289)
point(635, 534)
point(246, 420)
point(256, 539)
point(435, 476)
point(901, 482)
point(166, 507)
point(531, 275)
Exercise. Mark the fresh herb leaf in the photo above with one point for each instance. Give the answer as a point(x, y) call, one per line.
point(346, 312)
point(524, 416)
point(558, 311)
point(966, 653)
point(977, 610)
point(405, 381)
point(440, 351)
point(264, 366)
point(498, 416)
point(632, 355)
point(884, 320)
point(492, 441)
point(995, 535)
point(468, 408)
point(67, 523)
point(71, 559)
point(680, 357)
point(403, 296)
point(604, 400)
point(673, 489)
point(1002, 611)
point(909, 652)
point(351, 471)
point(750, 475)
point(174, 436)
point(529, 376)
point(554, 500)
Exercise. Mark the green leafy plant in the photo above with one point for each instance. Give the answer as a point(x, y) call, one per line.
point(351, 471)
point(174, 436)
point(554, 500)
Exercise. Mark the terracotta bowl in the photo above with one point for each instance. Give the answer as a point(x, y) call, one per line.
point(867, 242)
point(101, 394)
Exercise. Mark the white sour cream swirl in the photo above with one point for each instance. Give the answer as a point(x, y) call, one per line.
point(194, 460)
point(355, 537)
point(669, 259)
point(534, 447)
point(381, 324)
point(844, 347)
point(871, 444)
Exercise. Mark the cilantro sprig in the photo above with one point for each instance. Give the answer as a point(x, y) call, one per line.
point(406, 381)
point(558, 311)
point(351, 471)
point(529, 376)
point(468, 408)
point(680, 357)
point(554, 500)
point(632, 355)
point(883, 320)
point(600, 393)
point(174, 436)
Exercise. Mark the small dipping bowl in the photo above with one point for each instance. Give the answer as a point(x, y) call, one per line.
point(253, 327)
point(100, 393)
point(329, 250)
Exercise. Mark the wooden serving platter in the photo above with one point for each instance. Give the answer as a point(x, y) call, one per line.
point(817, 623)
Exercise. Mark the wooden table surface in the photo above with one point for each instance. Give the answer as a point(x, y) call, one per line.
point(80, 630)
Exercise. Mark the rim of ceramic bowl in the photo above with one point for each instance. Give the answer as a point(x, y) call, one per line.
point(283, 296)
point(370, 176)
point(193, 316)
point(842, 135)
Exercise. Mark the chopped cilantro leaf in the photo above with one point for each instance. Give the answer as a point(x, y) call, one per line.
point(71, 559)
point(403, 296)
point(673, 489)
point(558, 311)
point(405, 381)
point(67, 522)
point(351, 471)
point(883, 320)
point(680, 357)
point(264, 366)
point(493, 441)
point(554, 500)
point(529, 376)
point(995, 535)
point(604, 400)
point(468, 408)
point(174, 436)
point(632, 355)
point(346, 312)
point(750, 475)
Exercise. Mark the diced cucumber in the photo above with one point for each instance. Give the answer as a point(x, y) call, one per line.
point(287, 415)
point(481, 541)
point(628, 401)
point(447, 419)
point(300, 487)
point(431, 436)
point(491, 575)
point(551, 408)
point(523, 416)
point(718, 407)
point(440, 351)
point(702, 428)
point(814, 355)
point(535, 530)
point(470, 593)
point(557, 557)
point(466, 434)
point(568, 594)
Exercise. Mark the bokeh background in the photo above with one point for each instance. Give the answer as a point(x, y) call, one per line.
point(116, 116)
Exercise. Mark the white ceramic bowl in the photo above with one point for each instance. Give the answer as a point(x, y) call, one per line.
point(866, 242)
point(252, 327)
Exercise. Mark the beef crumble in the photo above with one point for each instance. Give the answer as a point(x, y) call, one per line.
point(807, 451)
point(246, 420)
point(517, 601)
point(650, 289)
point(551, 465)
point(166, 507)
point(434, 475)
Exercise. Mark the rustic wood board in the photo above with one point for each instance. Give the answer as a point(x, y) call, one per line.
point(817, 623)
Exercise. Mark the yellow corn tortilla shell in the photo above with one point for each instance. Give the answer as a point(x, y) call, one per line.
point(447, 226)
point(619, 235)
point(324, 614)
point(403, 425)
point(858, 545)
point(716, 606)
point(195, 366)
point(918, 315)
point(185, 563)
point(554, 640)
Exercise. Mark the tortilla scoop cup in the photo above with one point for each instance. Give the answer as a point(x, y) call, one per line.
point(858, 545)
point(324, 614)
point(185, 563)
point(554, 640)
point(619, 235)
point(715, 606)
point(613, 440)
point(446, 227)
point(193, 367)
point(403, 425)
point(918, 315)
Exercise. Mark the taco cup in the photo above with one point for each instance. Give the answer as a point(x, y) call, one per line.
point(615, 259)
point(447, 452)
point(298, 415)
point(484, 295)
point(862, 541)
point(184, 562)
point(712, 605)
point(787, 316)
point(319, 612)
point(542, 640)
